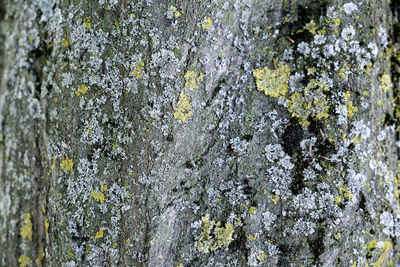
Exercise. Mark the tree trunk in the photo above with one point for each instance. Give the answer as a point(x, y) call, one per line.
point(199, 133)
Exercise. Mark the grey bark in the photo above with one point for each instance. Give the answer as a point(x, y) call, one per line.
point(103, 163)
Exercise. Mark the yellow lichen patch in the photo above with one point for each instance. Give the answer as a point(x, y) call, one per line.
point(383, 259)
point(103, 188)
point(40, 256)
point(275, 198)
point(87, 23)
point(46, 225)
point(252, 210)
point(26, 230)
point(262, 256)
point(139, 70)
point(396, 186)
point(24, 261)
point(177, 14)
point(252, 237)
point(343, 193)
point(312, 102)
point(337, 236)
point(386, 82)
point(311, 27)
point(66, 164)
point(65, 43)
point(273, 83)
point(342, 73)
point(100, 233)
point(214, 236)
point(350, 108)
point(179, 264)
point(82, 90)
point(336, 22)
point(116, 25)
point(182, 108)
point(192, 80)
point(53, 166)
point(207, 23)
point(372, 244)
point(98, 196)
point(338, 199)
point(70, 253)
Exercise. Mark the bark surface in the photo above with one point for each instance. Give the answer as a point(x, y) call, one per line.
point(199, 133)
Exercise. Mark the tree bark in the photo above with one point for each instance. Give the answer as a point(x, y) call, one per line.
point(199, 133)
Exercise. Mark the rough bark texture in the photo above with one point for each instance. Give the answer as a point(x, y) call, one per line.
point(199, 133)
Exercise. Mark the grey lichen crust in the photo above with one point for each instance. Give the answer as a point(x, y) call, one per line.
point(199, 133)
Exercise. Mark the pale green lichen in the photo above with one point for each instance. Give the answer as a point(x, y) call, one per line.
point(311, 103)
point(182, 108)
point(273, 83)
point(214, 236)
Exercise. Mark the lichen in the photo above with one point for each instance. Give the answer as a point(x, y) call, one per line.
point(66, 164)
point(81, 90)
point(87, 23)
point(252, 210)
point(24, 261)
point(26, 230)
point(386, 82)
point(40, 257)
point(182, 108)
point(273, 83)
point(99, 196)
point(311, 27)
point(65, 43)
point(213, 236)
point(312, 102)
point(207, 23)
point(385, 250)
point(100, 233)
point(46, 225)
point(343, 193)
point(193, 80)
point(139, 70)
point(350, 108)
